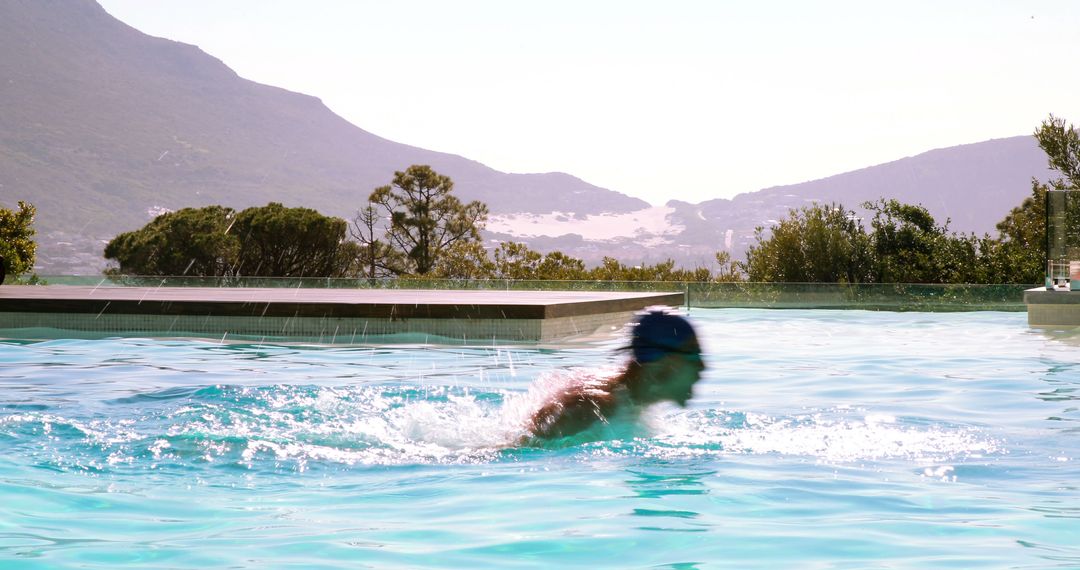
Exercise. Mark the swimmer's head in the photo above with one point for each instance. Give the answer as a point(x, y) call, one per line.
point(666, 358)
point(657, 333)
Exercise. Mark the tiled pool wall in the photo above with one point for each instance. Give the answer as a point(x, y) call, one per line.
point(1052, 309)
point(331, 330)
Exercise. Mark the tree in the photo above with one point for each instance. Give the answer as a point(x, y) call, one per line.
point(1061, 143)
point(515, 260)
point(558, 265)
point(1019, 253)
point(376, 258)
point(17, 245)
point(217, 241)
point(190, 241)
point(611, 269)
point(905, 245)
point(464, 260)
point(961, 259)
point(910, 247)
point(729, 269)
point(815, 244)
point(424, 218)
point(275, 241)
point(903, 240)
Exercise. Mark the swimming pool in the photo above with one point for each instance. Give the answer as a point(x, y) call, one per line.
point(825, 439)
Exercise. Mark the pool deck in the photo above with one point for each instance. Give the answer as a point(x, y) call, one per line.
point(317, 315)
point(1052, 308)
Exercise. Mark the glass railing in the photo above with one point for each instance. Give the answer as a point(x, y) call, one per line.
point(874, 296)
point(877, 296)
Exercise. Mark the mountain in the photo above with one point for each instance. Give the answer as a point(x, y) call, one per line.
point(103, 126)
point(973, 186)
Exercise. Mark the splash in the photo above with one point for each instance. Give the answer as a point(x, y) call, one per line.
point(276, 427)
point(299, 427)
point(833, 437)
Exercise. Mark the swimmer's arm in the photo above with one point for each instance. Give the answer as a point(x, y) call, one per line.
point(570, 413)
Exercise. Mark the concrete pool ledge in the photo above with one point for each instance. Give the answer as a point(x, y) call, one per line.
point(1052, 308)
point(335, 316)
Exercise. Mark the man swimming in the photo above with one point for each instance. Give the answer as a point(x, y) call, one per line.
point(664, 366)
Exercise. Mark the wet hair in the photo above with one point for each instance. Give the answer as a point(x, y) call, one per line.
point(656, 333)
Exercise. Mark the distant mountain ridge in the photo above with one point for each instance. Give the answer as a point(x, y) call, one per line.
point(974, 186)
point(102, 127)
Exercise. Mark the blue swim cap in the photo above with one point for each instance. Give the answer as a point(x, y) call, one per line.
point(657, 333)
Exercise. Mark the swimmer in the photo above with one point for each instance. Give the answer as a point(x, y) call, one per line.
point(665, 364)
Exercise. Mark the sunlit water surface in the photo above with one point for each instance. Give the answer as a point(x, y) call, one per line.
point(817, 439)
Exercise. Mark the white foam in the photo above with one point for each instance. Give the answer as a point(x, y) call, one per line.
point(874, 437)
point(369, 425)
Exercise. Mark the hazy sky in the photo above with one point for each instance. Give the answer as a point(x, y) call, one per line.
point(680, 99)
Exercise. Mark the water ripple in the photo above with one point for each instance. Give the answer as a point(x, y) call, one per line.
point(816, 439)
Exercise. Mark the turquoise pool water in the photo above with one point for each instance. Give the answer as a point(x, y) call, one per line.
point(817, 439)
